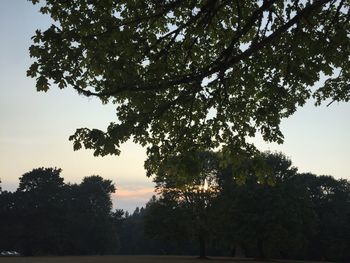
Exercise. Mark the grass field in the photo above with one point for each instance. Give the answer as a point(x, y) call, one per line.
point(127, 259)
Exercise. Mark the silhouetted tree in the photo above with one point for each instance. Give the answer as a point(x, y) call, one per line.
point(146, 231)
point(8, 221)
point(40, 203)
point(188, 187)
point(45, 216)
point(170, 222)
point(133, 240)
point(331, 203)
point(93, 209)
point(269, 214)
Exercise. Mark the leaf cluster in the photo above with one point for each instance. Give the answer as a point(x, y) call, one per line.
point(193, 75)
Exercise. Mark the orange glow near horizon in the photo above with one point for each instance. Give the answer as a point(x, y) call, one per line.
point(136, 193)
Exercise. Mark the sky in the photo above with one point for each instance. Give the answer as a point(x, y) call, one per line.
point(34, 127)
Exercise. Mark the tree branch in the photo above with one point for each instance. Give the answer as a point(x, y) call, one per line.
point(217, 65)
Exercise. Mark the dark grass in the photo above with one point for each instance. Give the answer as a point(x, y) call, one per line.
point(131, 259)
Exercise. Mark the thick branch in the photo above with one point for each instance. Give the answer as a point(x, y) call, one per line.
point(216, 66)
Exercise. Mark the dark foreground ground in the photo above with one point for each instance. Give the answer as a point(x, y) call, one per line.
point(130, 259)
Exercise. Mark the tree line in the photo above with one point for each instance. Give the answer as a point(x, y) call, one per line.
point(256, 207)
point(45, 216)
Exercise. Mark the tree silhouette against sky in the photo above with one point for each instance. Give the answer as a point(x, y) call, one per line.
point(190, 76)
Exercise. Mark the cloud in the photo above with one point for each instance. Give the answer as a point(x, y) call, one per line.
point(141, 193)
point(128, 198)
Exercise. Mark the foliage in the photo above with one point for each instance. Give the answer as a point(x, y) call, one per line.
point(187, 197)
point(331, 201)
point(271, 217)
point(92, 224)
point(40, 204)
point(8, 219)
point(45, 216)
point(165, 220)
point(193, 75)
point(274, 213)
point(41, 179)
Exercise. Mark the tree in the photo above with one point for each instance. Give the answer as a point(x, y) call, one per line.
point(92, 223)
point(270, 214)
point(45, 216)
point(331, 203)
point(193, 75)
point(41, 179)
point(40, 206)
point(132, 237)
point(133, 240)
point(187, 187)
point(8, 221)
point(168, 221)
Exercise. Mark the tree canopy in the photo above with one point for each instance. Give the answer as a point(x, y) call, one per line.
point(193, 75)
point(282, 214)
point(45, 216)
point(188, 196)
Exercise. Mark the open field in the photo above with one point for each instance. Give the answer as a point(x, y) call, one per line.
point(129, 259)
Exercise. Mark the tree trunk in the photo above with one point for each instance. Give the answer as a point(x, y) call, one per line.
point(202, 248)
point(261, 253)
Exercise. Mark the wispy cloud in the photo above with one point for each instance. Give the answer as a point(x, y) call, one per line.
point(128, 198)
point(141, 193)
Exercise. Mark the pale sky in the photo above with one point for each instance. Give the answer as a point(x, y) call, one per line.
point(35, 127)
